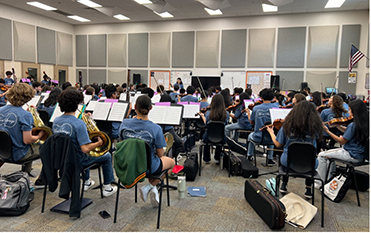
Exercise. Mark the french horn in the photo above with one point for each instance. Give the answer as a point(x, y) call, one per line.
point(39, 126)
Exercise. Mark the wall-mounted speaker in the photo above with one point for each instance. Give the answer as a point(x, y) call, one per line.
point(303, 85)
point(275, 81)
point(136, 78)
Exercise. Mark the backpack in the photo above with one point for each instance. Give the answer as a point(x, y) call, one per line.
point(15, 194)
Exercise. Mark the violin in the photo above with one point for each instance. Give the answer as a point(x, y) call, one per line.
point(288, 106)
point(339, 121)
point(251, 106)
point(4, 88)
point(277, 124)
point(232, 107)
point(322, 107)
point(203, 110)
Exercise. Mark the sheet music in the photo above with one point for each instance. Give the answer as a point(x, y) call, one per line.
point(91, 106)
point(190, 110)
point(123, 96)
point(56, 113)
point(165, 115)
point(101, 111)
point(248, 102)
point(102, 98)
point(134, 99)
point(279, 113)
point(118, 111)
point(156, 98)
point(34, 101)
point(87, 98)
point(46, 95)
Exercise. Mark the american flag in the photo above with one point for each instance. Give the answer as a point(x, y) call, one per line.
point(355, 56)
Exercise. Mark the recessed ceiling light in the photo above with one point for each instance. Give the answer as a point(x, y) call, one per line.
point(213, 12)
point(121, 17)
point(89, 3)
point(334, 3)
point(78, 18)
point(143, 1)
point(269, 8)
point(42, 6)
point(164, 14)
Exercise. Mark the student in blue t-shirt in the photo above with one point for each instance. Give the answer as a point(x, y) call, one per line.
point(259, 116)
point(8, 80)
point(189, 97)
point(302, 124)
point(353, 140)
point(203, 102)
point(242, 119)
point(142, 128)
point(178, 82)
point(175, 93)
point(18, 123)
point(76, 129)
point(50, 102)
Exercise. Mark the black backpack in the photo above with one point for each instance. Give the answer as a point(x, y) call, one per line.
point(15, 194)
point(191, 166)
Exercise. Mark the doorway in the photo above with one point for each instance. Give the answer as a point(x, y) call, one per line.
point(61, 74)
point(31, 70)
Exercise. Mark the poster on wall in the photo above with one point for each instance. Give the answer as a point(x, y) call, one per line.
point(352, 78)
point(367, 84)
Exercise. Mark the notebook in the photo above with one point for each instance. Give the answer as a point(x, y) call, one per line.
point(197, 191)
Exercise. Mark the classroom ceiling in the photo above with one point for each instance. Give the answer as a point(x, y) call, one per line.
point(180, 9)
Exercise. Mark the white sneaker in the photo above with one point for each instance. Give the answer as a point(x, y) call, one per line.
point(317, 184)
point(107, 193)
point(88, 186)
point(179, 158)
point(144, 191)
point(155, 199)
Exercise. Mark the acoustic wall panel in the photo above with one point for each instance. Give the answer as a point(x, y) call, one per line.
point(261, 47)
point(315, 79)
point(84, 73)
point(160, 49)
point(116, 44)
point(207, 49)
point(46, 46)
point(6, 39)
point(64, 49)
point(323, 47)
point(81, 50)
point(138, 50)
point(350, 35)
point(97, 76)
point(344, 85)
point(97, 50)
point(290, 80)
point(291, 47)
point(24, 42)
point(117, 76)
point(183, 49)
point(233, 54)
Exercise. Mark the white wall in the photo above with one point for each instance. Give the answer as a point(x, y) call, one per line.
point(270, 21)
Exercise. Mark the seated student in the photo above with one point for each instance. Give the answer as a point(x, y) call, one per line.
point(50, 102)
point(226, 96)
point(18, 123)
point(45, 88)
point(217, 112)
point(65, 85)
point(8, 79)
point(278, 98)
point(46, 80)
point(91, 91)
point(242, 119)
point(203, 102)
point(96, 91)
point(336, 110)
point(353, 140)
point(111, 93)
point(298, 98)
point(134, 128)
point(345, 100)
point(302, 124)
point(259, 116)
point(189, 97)
point(175, 93)
point(289, 98)
point(37, 87)
point(76, 129)
point(149, 91)
point(218, 89)
point(3, 90)
point(309, 95)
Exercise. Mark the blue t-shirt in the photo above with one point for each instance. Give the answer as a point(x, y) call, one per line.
point(147, 131)
point(352, 146)
point(45, 82)
point(261, 115)
point(243, 119)
point(8, 81)
point(180, 85)
point(15, 120)
point(286, 141)
point(115, 129)
point(207, 114)
point(173, 96)
point(346, 107)
point(2, 99)
point(189, 98)
point(327, 115)
point(75, 129)
point(49, 109)
point(204, 105)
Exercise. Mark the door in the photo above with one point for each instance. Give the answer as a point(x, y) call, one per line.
point(61, 74)
point(31, 70)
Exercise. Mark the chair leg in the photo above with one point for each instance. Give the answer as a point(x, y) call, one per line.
point(229, 164)
point(100, 182)
point(167, 189)
point(159, 205)
point(312, 188)
point(117, 202)
point(323, 203)
point(278, 179)
point(328, 171)
point(44, 197)
point(82, 189)
point(200, 153)
point(355, 184)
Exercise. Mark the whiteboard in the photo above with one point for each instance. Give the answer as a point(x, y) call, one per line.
point(232, 79)
point(162, 77)
point(184, 75)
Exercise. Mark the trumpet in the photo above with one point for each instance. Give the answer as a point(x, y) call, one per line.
point(94, 132)
point(39, 126)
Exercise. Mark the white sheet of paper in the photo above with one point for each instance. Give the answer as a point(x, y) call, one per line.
point(57, 112)
point(190, 110)
point(133, 99)
point(87, 98)
point(279, 113)
point(254, 80)
point(91, 106)
point(118, 111)
point(101, 111)
point(123, 96)
point(46, 95)
point(102, 98)
point(79, 109)
point(165, 115)
point(156, 98)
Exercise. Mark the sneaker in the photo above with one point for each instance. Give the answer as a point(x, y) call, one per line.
point(88, 186)
point(308, 193)
point(250, 158)
point(206, 162)
point(283, 188)
point(39, 184)
point(144, 191)
point(317, 185)
point(107, 193)
point(155, 199)
point(179, 158)
point(271, 163)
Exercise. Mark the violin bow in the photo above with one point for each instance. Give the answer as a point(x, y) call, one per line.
point(202, 88)
point(14, 77)
point(232, 83)
point(157, 83)
point(321, 94)
point(333, 87)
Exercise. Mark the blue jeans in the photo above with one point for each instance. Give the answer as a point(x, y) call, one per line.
point(105, 160)
point(257, 138)
point(232, 127)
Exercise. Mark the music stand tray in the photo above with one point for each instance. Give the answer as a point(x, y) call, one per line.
point(64, 207)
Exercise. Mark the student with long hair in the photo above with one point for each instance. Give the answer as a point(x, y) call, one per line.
point(227, 97)
point(302, 124)
point(142, 128)
point(50, 102)
point(353, 140)
point(217, 112)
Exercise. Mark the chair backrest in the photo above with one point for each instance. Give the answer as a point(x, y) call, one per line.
point(301, 157)
point(215, 131)
point(366, 153)
point(44, 116)
point(6, 148)
point(200, 123)
point(169, 138)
